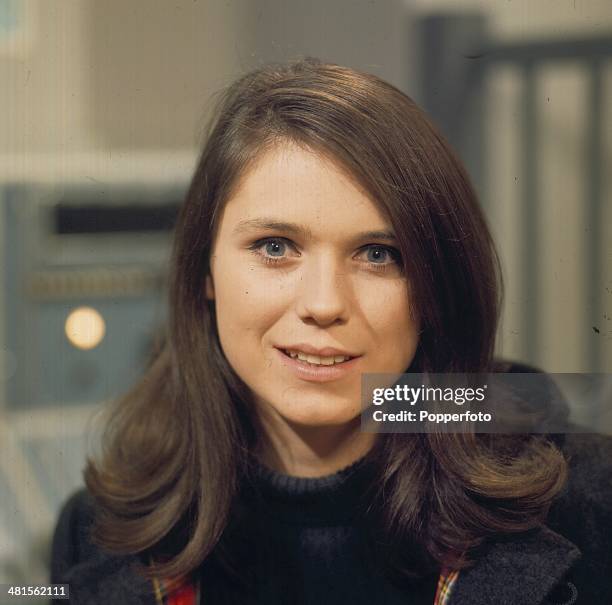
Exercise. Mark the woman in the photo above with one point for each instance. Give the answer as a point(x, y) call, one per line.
point(329, 231)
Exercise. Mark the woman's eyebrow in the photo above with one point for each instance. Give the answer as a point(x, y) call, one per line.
point(270, 224)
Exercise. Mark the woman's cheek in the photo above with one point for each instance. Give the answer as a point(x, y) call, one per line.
point(392, 325)
point(253, 299)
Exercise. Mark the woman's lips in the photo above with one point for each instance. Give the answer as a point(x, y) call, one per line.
point(317, 373)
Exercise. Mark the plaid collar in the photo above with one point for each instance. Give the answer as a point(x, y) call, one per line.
point(186, 590)
point(179, 591)
point(497, 576)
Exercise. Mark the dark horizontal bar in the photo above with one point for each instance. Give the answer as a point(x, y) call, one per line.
point(71, 219)
point(546, 50)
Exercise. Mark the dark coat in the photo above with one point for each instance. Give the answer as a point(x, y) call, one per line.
point(568, 561)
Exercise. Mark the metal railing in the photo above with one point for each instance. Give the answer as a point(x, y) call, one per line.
point(458, 59)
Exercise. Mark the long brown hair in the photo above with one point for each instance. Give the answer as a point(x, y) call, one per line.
point(178, 443)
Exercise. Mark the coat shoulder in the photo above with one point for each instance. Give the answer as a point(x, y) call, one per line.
point(71, 539)
point(589, 457)
point(582, 512)
point(95, 576)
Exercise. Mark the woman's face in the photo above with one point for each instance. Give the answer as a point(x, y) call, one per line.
point(295, 270)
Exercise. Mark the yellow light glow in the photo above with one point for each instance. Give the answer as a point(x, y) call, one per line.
point(85, 328)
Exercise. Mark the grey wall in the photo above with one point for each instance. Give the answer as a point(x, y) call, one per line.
point(155, 64)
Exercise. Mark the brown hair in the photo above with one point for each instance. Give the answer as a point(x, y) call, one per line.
point(178, 443)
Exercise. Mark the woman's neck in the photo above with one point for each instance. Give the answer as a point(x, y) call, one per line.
point(310, 451)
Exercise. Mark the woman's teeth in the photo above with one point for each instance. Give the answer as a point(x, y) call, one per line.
point(316, 359)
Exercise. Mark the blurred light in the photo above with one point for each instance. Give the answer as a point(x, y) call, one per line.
point(85, 328)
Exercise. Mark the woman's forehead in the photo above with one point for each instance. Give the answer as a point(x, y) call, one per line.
point(289, 184)
point(285, 164)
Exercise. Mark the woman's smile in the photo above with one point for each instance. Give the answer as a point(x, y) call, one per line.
point(318, 369)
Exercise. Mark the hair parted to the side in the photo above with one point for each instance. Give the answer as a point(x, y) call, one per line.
point(178, 443)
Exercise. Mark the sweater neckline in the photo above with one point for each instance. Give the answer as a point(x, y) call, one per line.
point(297, 485)
point(333, 499)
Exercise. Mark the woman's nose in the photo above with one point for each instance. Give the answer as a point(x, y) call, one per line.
point(323, 291)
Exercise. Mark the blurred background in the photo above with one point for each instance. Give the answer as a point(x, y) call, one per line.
point(103, 110)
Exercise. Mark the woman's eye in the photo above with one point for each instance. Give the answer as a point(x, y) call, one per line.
point(274, 250)
point(378, 254)
point(380, 258)
point(271, 250)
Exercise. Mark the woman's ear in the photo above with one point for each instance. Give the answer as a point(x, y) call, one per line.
point(210, 288)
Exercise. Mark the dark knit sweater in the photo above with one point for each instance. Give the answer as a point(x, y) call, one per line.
point(571, 555)
point(302, 541)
